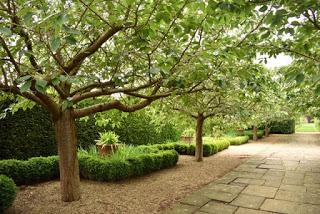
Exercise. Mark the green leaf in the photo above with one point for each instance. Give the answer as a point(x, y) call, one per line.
point(263, 8)
point(317, 91)
point(66, 104)
point(299, 78)
point(265, 35)
point(24, 78)
point(70, 30)
point(295, 23)
point(5, 31)
point(28, 17)
point(41, 85)
point(71, 40)
point(26, 86)
point(55, 44)
point(41, 82)
point(61, 19)
point(55, 81)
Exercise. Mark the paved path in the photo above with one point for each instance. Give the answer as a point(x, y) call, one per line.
point(283, 178)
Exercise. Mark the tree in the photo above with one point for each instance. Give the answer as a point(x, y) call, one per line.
point(79, 58)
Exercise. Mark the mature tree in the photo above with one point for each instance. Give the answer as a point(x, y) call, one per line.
point(79, 58)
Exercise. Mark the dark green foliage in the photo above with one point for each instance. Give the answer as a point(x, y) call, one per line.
point(238, 140)
point(209, 148)
point(30, 133)
point(8, 192)
point(282, 127)
point(88, 132)
point(26, 134)
point(95, 168)
point(138, 129)
point(31, 171)
point(260, 134)
point(215, 146)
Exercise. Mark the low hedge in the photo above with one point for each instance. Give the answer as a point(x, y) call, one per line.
point(215, 146)
point(260, 134)
point(8, 192)
point(238, 140)
point(99, 169)
point(32, 170)
point(40, 169)
point(210, 147)
point(282, 127)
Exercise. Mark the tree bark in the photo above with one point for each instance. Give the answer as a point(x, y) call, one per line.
point(199, 143)
point(65, 131)
point(266, 130)
point(255, 133)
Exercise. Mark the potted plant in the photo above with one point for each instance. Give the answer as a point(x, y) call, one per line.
point(107, 143)
point(187, 135)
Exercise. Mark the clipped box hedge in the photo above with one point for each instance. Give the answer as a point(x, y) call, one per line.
point(282, 127)
point(32, 170)
point(40, 169)
point(99, 169)
point(238, 140)
point(260, 134)
point(210, 147)
point(8, 192)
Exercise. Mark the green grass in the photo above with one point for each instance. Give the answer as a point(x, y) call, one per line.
point(307, 127)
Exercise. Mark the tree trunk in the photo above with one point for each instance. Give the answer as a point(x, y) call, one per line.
point(255, 133)
point(65, 131)
point(199, 143)
point(266, 130)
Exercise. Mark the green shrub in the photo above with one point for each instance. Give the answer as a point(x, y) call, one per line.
point(282, 127)
point(238, 140)
point(8, 192)
point(104, 169)
point(30, 171)
point(108, 138)
point(210, 147)
point(260, 133)
point(30, 133)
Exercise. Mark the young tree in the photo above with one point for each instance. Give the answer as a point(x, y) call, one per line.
point(217, 97)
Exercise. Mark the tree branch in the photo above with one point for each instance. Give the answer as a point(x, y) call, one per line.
point(102, 91)
point(77, 60)
point(78, 113)
point(12, 60)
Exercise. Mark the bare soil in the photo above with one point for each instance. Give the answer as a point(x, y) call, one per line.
point(147, 194)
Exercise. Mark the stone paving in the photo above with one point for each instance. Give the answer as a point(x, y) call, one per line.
point(283, 178)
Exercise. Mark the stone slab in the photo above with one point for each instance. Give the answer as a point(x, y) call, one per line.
point(225, 188)
point(195, 200)
point(215, 207)
point(242, 210)
point(248, 201)
point(270, 166)
point(250, 181)
point(279, 206)
point(263, 191)
point(293, 188)
point(220, 196)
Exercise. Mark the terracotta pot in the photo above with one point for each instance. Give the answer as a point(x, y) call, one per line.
point(107, 149)
point(187, 139)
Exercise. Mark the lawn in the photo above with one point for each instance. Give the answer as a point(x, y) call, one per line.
point(307, 127)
